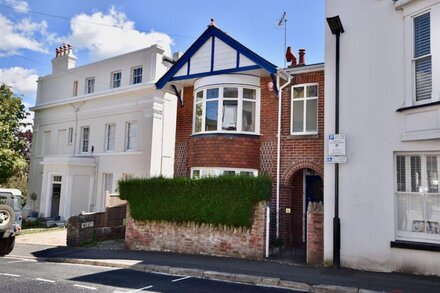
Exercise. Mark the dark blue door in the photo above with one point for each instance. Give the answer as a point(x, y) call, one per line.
point(314, 189)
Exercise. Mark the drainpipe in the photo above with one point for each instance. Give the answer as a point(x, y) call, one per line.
point(76, 109)
point(283, 74)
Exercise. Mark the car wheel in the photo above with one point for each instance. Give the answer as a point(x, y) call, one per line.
point(7, 217)
point(9, 245)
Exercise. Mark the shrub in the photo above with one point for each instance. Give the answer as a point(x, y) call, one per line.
point(224, 200)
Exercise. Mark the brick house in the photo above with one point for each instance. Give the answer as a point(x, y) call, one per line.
point(227, 123)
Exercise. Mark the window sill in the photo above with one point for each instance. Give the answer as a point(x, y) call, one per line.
point(303, 136)
point(415, 245)
point(238, 134)
point(403, 109)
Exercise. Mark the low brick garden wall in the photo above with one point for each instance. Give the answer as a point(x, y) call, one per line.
point(87, 228)
point(315, 235)
point(192, 238)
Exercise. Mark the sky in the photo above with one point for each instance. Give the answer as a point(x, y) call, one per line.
point(30, 30)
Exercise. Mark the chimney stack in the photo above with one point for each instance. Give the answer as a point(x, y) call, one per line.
point(64, 59)
point(301, 54)
point(290, 57)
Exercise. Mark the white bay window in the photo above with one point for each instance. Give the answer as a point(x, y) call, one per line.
point(418, 197)
point(198, 172)
point(226, 109)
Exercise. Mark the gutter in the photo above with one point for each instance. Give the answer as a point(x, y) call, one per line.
point(286, 76)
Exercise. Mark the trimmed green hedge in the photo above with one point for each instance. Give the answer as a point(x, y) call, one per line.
point(224, 200)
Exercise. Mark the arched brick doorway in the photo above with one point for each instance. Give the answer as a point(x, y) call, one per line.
point(306, 185)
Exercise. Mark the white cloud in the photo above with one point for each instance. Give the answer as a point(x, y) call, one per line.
point(21, 80)
point(23, 34)
point(18, 5)
point(106, 35)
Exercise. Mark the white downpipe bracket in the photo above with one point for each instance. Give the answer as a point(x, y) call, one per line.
point(288, 77)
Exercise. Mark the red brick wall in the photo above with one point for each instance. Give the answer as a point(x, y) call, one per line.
point(315, 238)
point(193, 238)
point(297, 152)
point(224, 151)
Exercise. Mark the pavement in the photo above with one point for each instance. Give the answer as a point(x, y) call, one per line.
point(267, 273)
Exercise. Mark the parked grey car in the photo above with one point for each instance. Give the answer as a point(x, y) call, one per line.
point(10, 218)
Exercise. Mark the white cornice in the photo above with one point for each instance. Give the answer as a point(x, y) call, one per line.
point(83, 98)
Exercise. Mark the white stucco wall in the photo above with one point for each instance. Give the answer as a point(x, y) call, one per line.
point(56, 111)
point(372, 88)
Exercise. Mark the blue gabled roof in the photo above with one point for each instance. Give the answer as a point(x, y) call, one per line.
point(213, 31)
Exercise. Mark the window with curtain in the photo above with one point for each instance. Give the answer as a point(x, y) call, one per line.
point(226, 109)
point(418, 197)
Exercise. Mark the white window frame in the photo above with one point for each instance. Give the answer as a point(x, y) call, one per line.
point(217, 171)
point(108, 137)
point(305, 99)
point(113, 80)
point(407, 235)
point(105, 177)
point(90, 89)
point(220, 100)
point(128, 136)
point(409, 13)
point(133, 76)
point(81, 141)
point(70, 135)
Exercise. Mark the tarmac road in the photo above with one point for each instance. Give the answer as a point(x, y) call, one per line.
point(29, 275)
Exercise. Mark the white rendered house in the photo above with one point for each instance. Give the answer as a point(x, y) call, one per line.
point(95, 124)
point(389, 200)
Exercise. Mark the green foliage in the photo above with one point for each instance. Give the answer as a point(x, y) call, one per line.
point(12, 113)
point(224, 200)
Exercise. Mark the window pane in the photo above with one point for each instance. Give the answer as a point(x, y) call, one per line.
point(199, 96)
point(416, 176)
point(196, 173)
point(248, 116)
point(401, 173)
point(432, 174)
point(312, 115)
point(247, 173)
point(423, 71)
point(249, 94)
point(228, 172)
point(422, 35)
point(298, 92)
point(230, 92)
point(199, 115)
point(432, 214)
point(298, 116)
point(211, 115)
point(85, 140)
point(312, 91)
point(137, 75)
point(131, 136)
point(110, 137)
point(403, 209)
point(229, 119)
point(108, 183)
point(212, 94)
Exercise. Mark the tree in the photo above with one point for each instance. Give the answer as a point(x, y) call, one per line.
point(12, 114)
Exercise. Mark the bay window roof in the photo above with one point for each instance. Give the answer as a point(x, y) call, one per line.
point(214, 53)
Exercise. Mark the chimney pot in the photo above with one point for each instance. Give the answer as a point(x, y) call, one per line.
point(302, 60)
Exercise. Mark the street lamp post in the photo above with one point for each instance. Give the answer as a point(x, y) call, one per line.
point(336, 27)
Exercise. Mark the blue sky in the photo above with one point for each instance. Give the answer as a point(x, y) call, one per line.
point(32, 29)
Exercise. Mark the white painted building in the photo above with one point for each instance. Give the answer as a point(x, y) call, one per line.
point(95, 124)
point(390, 112)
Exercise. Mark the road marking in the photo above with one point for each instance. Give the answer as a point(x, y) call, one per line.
point(85, 287)
point(18, 261)
point(44, 280)
point(181, 279)
point(137, 290)
point(10, 275)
